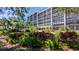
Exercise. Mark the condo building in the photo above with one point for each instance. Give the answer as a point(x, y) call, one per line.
point(49, 18)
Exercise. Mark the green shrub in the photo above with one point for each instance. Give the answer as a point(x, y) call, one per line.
point(77, 31)
point(14, 37)
point(35, 42)
point(11, 40)
point(32, 41)
point(49, 44)
point(73, 44)
point(48, 30)
point(53, 43)
point(62, 45)
point(23, 40)
point(1, 32)
point(26, 30)
point(56, 42)
point(42, 35)
point(62, 28)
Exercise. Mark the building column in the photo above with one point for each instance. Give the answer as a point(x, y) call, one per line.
point(65, 19)
point(37, 19)
point(51, 16)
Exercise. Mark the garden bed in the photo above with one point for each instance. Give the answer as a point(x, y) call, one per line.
point(41, 41)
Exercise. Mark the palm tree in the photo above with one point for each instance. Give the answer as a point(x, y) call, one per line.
point(66, 11)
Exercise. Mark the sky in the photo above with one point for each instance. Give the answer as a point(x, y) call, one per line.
point(32, 9)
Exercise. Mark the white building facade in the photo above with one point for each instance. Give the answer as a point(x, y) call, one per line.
point(51, 19)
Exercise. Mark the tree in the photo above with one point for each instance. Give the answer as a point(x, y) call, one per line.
point(19, 12)
point(30, 26)
point(15, 23)
point(67, 11)
point(3, 23)
point(29, 23)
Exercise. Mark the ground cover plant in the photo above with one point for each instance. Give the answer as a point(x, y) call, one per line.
point(70, 38)
point(59, 40)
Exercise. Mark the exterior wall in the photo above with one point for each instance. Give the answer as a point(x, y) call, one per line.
point(50, 18)
point(34, 18)
point(57, 19)
point(73, 21)
point(44, 18)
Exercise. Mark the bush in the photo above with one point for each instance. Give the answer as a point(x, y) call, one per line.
point(62, 28)
point(53, 44)
point(77, 31)
point(68, 35)
point(42, 35)
point(49, 44)
point(48, 30)
point(15, 30)
point(32, 29)
point(56, 42)
point(35, 42)
point(32, 41)
point(70, 38)
point(23, 39)
point(14, 37)
point(73, 44)
point(3, 32)
point(27, 30)
point(11, 40)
